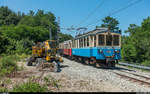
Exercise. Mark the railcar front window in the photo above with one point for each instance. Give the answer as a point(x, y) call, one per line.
point(116, 40)
point(87, 41)
point(108, 40)
point(84, 42)
point(95, 41)
point(101, 40)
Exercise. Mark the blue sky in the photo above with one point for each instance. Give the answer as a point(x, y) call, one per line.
point(72, 12)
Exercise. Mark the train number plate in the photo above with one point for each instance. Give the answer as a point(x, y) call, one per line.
point(108, 51)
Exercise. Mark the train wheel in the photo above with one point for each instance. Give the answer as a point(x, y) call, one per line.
point(92, 61)
point(80, 59)
point(87, 61)
point(109, 64)
point(97, 65)
point(113, 64)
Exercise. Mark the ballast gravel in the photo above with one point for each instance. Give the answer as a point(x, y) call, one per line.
point(77, 77)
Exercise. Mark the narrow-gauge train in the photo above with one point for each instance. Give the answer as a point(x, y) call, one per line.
point(98, 47)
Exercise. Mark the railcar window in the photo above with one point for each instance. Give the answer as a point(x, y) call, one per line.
point(73, 44)
point(108, 40)
point(116, 40)
point(87, 41)
point(101, 40)
point(79, 43)
point(95, 41)
point(84, 42)
point(91, 40)
point(76, 43)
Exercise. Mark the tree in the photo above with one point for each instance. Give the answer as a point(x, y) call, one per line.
point(31, 13)
point(19, 30)
point(136, 46)
point(110, 23)
point(132, 29)
point(7, 17)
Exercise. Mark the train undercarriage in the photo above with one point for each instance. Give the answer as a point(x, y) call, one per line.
point(106, 63)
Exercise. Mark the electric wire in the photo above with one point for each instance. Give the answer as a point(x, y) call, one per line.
point(117, 11)
point(91, 13)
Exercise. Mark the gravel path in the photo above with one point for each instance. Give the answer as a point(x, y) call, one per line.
point(78, 77)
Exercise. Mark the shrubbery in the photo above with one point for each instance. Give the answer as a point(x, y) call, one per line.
point(8, 64)
point(136, 46)
point(30, 87)
point(18, 30)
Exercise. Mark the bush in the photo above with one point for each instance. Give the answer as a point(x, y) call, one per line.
point(146, 63)
point(4, 90)
point(30, 87)
point(8, 64)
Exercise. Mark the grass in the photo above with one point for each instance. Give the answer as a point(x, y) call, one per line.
point(8, 63)
point(30, 87)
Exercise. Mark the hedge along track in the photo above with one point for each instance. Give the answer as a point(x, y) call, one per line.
point(142, 82)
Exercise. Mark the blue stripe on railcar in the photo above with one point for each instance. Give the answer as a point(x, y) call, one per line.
point(84, 52)
point(97, 52)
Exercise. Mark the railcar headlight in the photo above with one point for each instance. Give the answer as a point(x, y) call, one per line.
point(100, 51)
point(117, 51)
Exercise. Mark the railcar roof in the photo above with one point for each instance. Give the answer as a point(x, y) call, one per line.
point(65, 42)
point(96, 31)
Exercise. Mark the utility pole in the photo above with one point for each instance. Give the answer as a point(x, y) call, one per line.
point(50, 33)
point(58, 30)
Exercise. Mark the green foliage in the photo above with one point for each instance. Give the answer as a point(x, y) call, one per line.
point(7, 16)
point(136, 47)
point(50, 81)
point(18, 30)
point(29, 87)
point(3, 42)
point(146, 63)
point(110, 23)
point(64, 37)
point(4, 89)
point(8, 64)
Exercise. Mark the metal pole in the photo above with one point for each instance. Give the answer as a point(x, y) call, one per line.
point(58, 30)
point(50, 34)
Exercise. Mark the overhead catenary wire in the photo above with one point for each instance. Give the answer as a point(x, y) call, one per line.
point(116, 11)
point(91, 13)
point(123, 8)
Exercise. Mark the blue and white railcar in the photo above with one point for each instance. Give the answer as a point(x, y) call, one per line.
point(99, 46)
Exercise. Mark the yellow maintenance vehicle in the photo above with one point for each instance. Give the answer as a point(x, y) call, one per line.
point(44, 55)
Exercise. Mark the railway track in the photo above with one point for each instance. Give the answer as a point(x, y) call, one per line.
point(141, 79)
point(133, 79)
point(145, 77)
